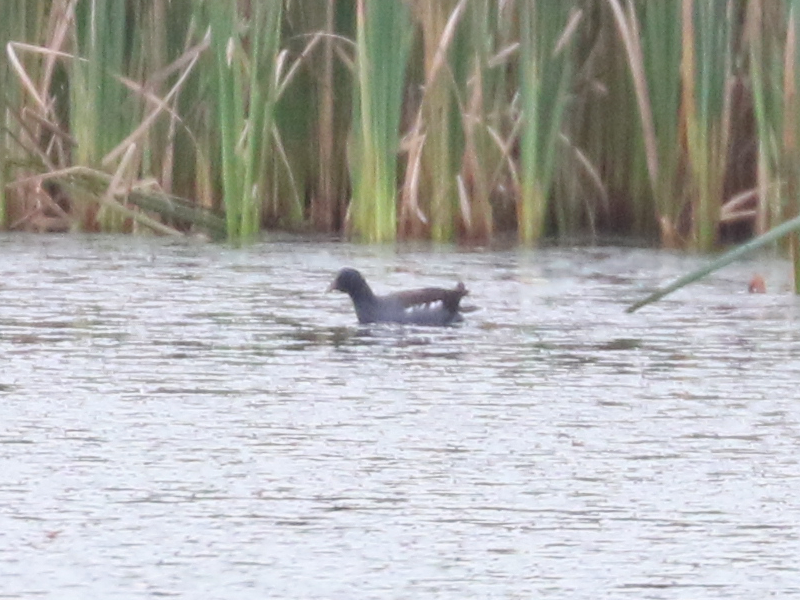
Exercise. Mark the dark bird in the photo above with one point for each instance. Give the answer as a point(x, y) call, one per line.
point(426, 306)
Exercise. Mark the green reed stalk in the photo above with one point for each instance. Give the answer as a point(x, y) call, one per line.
point(194, 125)
point(604, 126)
point(769, 53)
point(707, 68)
point(440, 119)
point(230, 112)
point(246, 94)
point(12, 21)
point(546, 73)
point(3, 167)
point(320, 126)
point(383, 39)
point(161, 31)
point(313, 116)
point(101, 114)
point(790, 163)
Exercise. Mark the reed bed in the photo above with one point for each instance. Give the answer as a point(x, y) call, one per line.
point(458, 120)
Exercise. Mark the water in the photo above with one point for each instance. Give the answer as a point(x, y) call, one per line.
point(189, 420)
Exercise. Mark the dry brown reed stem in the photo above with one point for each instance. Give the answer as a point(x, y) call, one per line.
point(161, 104)
point(324, 206)
point(189, 60)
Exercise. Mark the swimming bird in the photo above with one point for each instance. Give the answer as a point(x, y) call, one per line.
point(426, 306)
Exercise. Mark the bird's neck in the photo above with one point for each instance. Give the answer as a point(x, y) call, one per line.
point(362, 292)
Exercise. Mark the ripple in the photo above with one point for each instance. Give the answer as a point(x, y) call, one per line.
point(183, 419)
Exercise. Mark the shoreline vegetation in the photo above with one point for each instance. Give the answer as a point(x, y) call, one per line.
point(458, 120)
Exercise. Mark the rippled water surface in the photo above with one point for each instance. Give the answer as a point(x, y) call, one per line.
point(190, 420)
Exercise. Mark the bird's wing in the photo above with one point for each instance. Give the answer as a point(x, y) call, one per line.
point(431, 295)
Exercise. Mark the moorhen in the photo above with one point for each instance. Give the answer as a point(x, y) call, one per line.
point(426, 306)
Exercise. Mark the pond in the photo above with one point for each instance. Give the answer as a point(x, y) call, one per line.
point(191, 420)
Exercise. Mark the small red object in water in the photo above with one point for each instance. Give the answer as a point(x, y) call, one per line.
point(757, 285)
